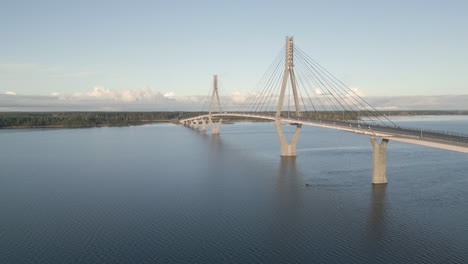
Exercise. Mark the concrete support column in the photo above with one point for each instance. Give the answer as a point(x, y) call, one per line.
point(379, 161)
point(287, 149)
point(215, 129)
point(203, 122)
point(196, 124)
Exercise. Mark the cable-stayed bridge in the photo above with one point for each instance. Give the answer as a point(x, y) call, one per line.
point(297, 91)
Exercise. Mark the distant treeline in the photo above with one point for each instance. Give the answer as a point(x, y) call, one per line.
point(82, 119)
point(92, 119)
point(426, 112)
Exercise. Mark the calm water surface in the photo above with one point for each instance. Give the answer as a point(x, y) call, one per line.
point(169, 194)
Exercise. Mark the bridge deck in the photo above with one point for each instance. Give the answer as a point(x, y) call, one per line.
point(419, 137)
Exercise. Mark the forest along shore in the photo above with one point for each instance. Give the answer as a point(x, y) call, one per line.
point(82, 119)
point(106, 119)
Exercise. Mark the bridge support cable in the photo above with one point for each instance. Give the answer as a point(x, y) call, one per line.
point(320, 89)
point(307, 95)
point(319, 106)
point(344, 98)
point(265, 93)
point(336, 97)
point(379, 161)
point(254, 96)
point(299, 86)
point(351, 95)
point(341, 85)
point(323, 83)
point(272, 85)
point(206, 100)
point(266, 102)
point(268, 89)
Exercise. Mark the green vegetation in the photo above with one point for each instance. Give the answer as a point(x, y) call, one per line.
point(93, 119)
point(82, 119)
point(426, 112)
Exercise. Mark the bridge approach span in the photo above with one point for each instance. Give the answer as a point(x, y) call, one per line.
point(418, 137)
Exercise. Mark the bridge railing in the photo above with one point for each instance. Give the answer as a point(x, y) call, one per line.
point(359, 124)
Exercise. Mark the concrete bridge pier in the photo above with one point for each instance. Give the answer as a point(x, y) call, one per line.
point(203, 122)
point(379, 161)
point(215, 129)
point(287, 149)
point(197, 123)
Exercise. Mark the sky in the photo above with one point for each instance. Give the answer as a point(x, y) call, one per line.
point(126, 51)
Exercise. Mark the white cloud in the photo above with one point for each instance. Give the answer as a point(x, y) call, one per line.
point(99, 98)
point(355, 92)
point(121, 95)
point(240, 97)
point(318, 91)
point(169, 94)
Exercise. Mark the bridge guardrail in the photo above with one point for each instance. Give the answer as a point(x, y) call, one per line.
point(435, 134)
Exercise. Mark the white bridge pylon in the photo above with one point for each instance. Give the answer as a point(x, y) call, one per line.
point(215, 128)
point(288, 149)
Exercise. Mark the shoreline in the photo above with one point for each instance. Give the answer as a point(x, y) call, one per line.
point(146, 122)
point(143, 122)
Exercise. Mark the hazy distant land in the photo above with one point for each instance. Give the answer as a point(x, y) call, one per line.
point(98, 119)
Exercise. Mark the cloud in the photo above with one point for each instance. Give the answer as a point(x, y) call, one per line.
point(121, 95)
point(170, 94)
point(431, 102)
point(240, 97)
point(99, 98)
point(355, 92)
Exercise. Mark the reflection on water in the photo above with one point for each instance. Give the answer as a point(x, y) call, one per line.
point(288, 180)
point(287, 188)
point(377, 214)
